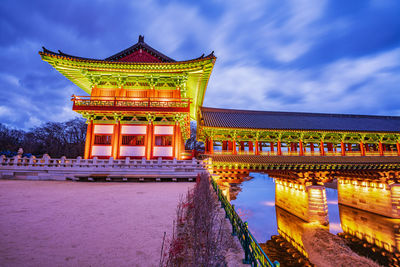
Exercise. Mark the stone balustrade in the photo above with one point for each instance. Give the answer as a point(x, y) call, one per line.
point(47, 168)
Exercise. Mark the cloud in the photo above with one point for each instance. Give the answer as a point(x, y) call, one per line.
point(295, 55)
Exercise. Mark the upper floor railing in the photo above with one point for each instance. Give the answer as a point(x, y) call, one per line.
point(130, 103)
point(305, 153)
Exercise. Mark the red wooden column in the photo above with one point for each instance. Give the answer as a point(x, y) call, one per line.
point(230, 146)
point(321, 150)
point(115, 140)
point(256, 146)
point(398, 148)
point(343, 148)
point(224, 145)
point(279, 148)
point(250, 146)
point(234, 147)
point(380, 148)
point(312, 147)
point(149, 141)
point(271, 144)
point(362, 148)
point(88, 142)
point(241, 146)
point(211, 145)
point(301, 151)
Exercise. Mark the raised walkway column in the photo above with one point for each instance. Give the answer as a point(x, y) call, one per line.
point(211, 145)
point(88, 142)
point(343, 148)
point(301, 150)
point(234, 151)
point(380, 148)
point(398, 148)
point(279, 148)
point(256, 148)
point(321, 150)
point(362, 148)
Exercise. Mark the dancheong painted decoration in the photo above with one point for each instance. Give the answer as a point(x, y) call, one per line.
point(140, 103)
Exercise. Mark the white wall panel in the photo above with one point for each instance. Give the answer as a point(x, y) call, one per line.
point(163, 130)
point(164, 151)
point(103, 129)
point(101, 151)
point(132, 151)
point(133, 129)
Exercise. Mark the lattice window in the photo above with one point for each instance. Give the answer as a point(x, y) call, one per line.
point(163, 140)
point(133, 140)
point(104, 139)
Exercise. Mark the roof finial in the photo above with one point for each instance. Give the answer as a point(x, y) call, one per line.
point(141, 39)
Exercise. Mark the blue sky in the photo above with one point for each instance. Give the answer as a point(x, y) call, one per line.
point(335, 56)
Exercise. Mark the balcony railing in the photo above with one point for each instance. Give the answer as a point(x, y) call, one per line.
point(130, 103)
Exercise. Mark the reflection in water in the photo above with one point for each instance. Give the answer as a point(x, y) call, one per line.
point(280, 232)
point(374, 234)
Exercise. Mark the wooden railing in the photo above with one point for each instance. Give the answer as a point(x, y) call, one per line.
point(306, 153)
point(106, 102)
point(254, 254)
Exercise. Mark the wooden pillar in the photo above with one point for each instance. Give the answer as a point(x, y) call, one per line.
point(367, 147)
point(301, 151)
point(234, 151)
point(321, 150)
point(115, 140)
point(224, 145)
point(362, 148)
point(149, 141)
point(398, 148)
point(279, 148)
point(251, 146)
point(256, 146)
point(211, 145)
point(177, 141)
point(380, 148)
point(271, 144)
point(312, 147)
point(241, 146)
point(230, 146)
point(343, 148)
point(88, 142)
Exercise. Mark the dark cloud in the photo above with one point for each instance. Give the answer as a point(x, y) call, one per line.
point(277, 49)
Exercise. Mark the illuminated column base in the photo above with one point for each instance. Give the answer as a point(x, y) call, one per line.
point(373, 196)
point(306, 202)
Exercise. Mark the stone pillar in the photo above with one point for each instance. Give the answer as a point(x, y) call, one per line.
point(374, 196)
point(306, 202)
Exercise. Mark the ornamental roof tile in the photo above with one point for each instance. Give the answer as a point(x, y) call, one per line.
point(248, 119)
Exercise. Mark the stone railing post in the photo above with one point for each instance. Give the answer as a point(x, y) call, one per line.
point(31, 160)
point(16, 159)
point(143, 161)
point(127, 160)
point(110, 161)
point(159, 160)
point(94, 160)
point(2, 159)
point(62, 162)
point(78, 161)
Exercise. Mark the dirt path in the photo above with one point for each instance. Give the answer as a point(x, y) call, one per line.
point(47, 223)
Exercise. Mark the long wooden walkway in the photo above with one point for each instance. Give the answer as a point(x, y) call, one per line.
point(258, 162)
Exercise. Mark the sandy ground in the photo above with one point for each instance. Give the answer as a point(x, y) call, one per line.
point(49, 223)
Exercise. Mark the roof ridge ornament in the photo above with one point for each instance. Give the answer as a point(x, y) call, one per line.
point(141, 39)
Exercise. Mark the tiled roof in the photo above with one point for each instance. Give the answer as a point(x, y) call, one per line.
point(128, 56)
point(230, 118)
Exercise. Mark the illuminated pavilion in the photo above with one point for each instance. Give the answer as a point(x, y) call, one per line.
point(140, 103)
